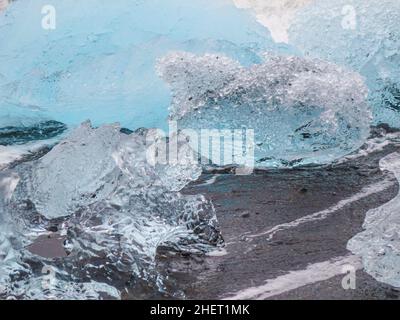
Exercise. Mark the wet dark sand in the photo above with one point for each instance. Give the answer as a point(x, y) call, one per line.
point(250, 205)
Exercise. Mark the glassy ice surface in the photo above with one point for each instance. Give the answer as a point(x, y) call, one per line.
point(301, 110)
point(116, 209)
point(363, 35)
point(379, 244)
point(99, 61)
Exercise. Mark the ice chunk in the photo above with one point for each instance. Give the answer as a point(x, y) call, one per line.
point(89, 164)
point(363, 35)
point(301, 110)
point(115, 207)
point(74, 173)
point(379, 244)
point(99, 61)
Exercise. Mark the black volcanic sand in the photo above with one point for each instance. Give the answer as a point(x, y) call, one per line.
point(248, 205)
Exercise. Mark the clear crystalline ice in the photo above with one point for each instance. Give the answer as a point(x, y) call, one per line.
point(89, 165)
point(363, 35)
point(75, 173)
point(379, 243)
point(116, 206)
point(301, 110)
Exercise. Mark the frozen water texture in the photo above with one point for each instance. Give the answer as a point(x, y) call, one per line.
point(98, 63)
point(113, 205)
point(379, 244)
point(301, 110)
point(360, 34)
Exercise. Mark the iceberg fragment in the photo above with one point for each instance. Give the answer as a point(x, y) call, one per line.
point(113, 205)
point(362, 35)
point(379, 243)
point(301, 110)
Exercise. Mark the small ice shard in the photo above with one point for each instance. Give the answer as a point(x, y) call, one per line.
point(301, 110)
point(379, 244)
point(362, 35)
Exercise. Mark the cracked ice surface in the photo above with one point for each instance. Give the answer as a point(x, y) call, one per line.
point(301, 110)
point(99, 62)
point(363, 35)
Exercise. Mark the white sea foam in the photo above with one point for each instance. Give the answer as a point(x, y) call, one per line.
point(320, 215)
point(296, 279)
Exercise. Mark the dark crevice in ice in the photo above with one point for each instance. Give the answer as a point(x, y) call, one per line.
point(13, 135)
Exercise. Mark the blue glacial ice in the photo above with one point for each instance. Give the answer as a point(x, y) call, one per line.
point(363, 35)
point(99, 62)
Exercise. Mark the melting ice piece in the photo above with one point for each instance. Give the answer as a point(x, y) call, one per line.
point(363, 35)
point(301, 110)
point(118, 209)
point(98, 62)
point(74, 173)
point(379, 244)
point(88, 165)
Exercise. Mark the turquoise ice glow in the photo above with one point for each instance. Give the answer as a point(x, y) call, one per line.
point(98, 63)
